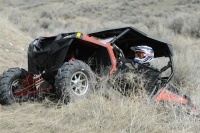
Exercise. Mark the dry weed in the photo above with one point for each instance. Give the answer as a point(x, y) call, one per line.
point(176, 21)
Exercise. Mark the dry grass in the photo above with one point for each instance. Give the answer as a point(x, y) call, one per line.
point(95, 115)
point(13, 45)
point(173, 20)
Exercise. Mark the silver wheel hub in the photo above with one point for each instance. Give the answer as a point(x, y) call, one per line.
point(15, 86)
point(79, 83)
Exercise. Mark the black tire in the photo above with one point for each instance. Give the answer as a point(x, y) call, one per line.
point(9, 83)
point(74, 80)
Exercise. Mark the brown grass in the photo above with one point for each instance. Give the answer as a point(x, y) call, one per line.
point(174, 20)
point(95, 115)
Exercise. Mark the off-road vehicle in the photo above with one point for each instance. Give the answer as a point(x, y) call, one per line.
point(66, 65)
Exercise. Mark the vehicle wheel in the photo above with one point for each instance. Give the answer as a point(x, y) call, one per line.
point(74, 80)
point(10, 82)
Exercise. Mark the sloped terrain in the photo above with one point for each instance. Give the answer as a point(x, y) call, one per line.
point(177, 21)
point(13, 46)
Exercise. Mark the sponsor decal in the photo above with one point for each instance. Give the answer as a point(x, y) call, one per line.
point(78, 35)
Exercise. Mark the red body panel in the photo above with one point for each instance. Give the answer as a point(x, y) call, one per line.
point(166, 95)
point(109, 48)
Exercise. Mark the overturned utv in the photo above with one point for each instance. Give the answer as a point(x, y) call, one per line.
point(65, 66)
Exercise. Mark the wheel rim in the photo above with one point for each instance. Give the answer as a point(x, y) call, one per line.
point(79, 83)
point(16, 86)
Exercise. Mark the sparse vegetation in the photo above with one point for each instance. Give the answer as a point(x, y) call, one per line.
point(175, 20)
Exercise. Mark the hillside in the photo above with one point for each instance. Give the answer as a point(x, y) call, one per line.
point(13, 45)
point(177, 21)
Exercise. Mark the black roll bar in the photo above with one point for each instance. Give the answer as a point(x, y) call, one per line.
point(119, 36)
point(172, 69)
